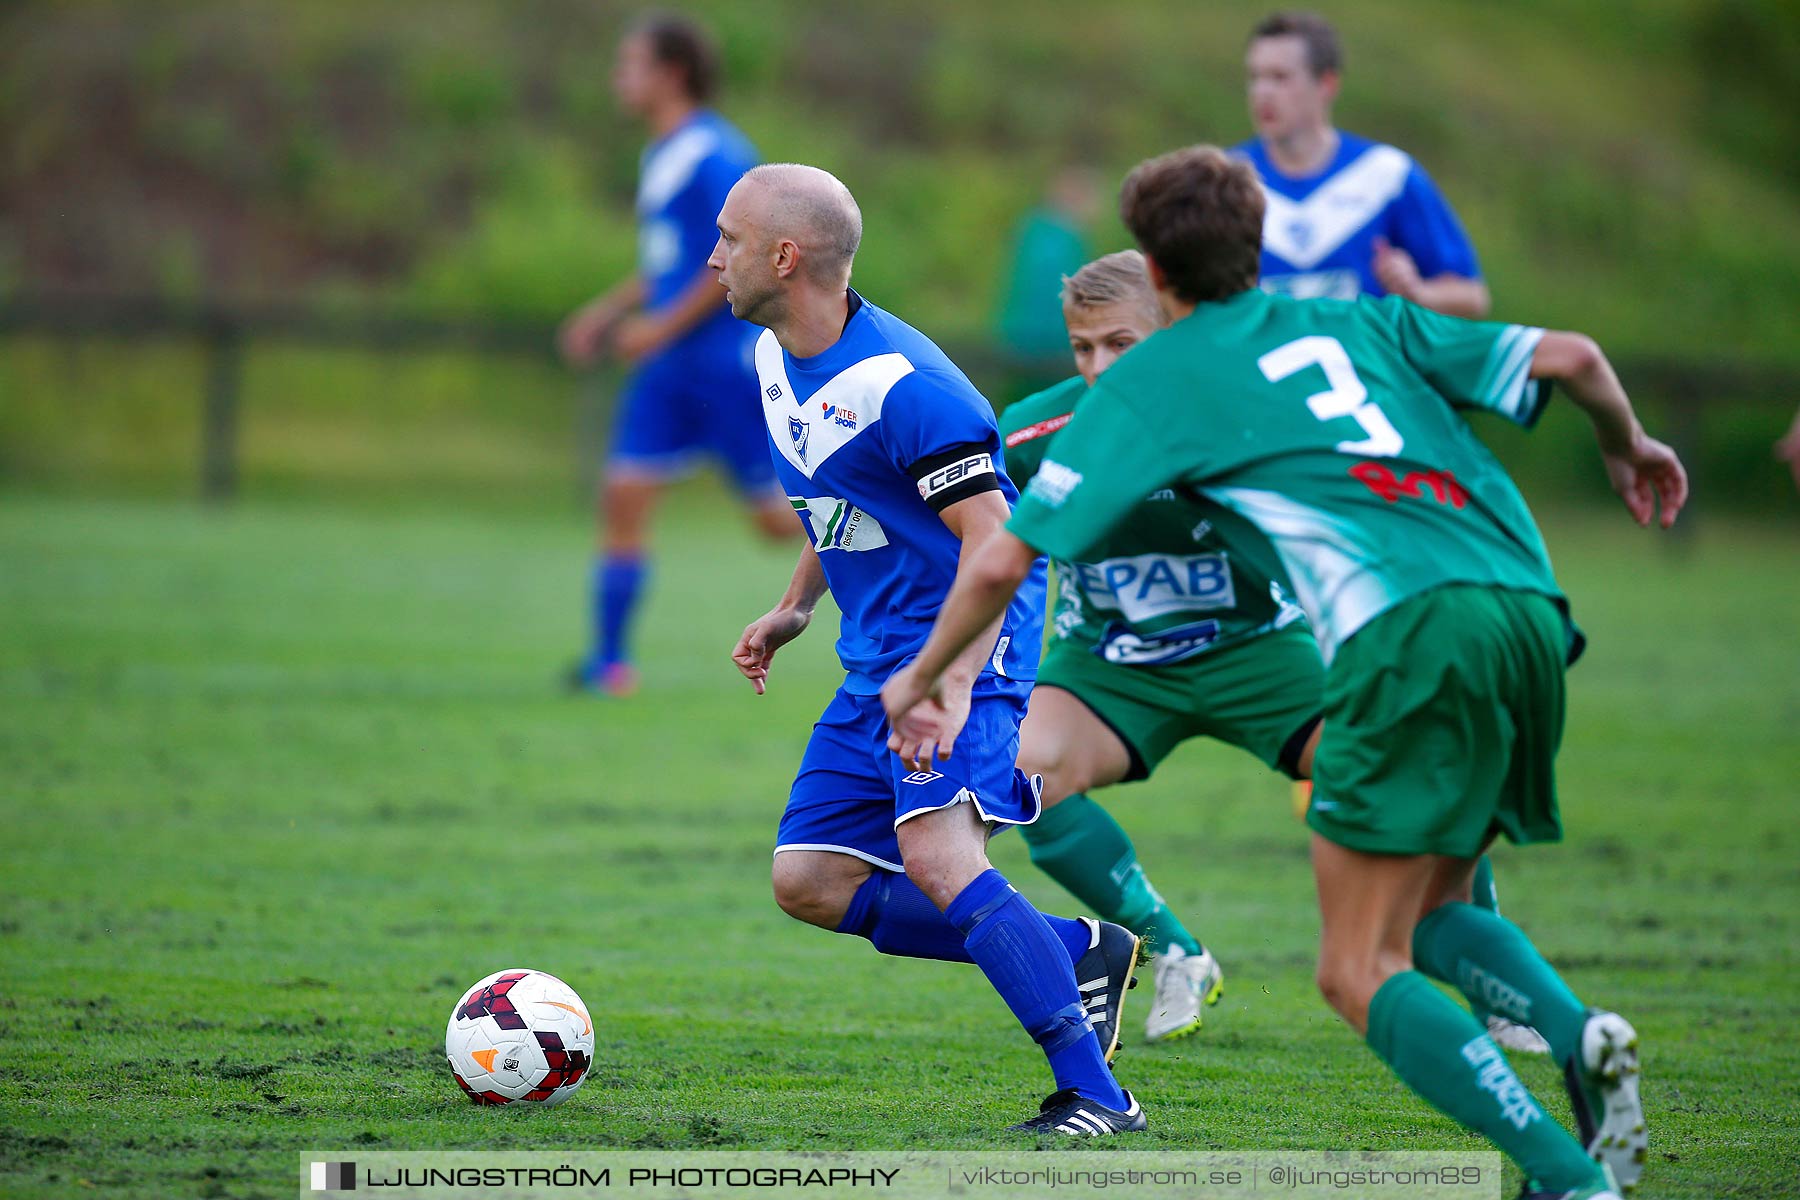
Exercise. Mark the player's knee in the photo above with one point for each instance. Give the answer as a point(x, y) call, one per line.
point(925, 872)
point(1349, 986)
point(1336, 984)
point(1341, 981)
point(805, 897)
point(942, 872)
point(625, 506)
point(1041, 755)
point(1053, 761)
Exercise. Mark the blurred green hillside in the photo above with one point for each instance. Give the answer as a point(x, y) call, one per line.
point(1629, 168)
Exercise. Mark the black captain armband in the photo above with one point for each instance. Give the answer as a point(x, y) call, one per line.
point(955, 474)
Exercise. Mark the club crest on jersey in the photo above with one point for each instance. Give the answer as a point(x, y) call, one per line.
point(799, 431)
point(839, 414)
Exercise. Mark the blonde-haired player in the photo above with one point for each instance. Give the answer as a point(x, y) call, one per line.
point(1180, 629)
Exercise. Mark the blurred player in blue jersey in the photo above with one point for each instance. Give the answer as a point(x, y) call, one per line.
point(693, 390)
point(1346, 216)
point(892, 458)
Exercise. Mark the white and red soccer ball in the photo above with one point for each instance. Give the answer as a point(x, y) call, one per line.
point(520, 1036)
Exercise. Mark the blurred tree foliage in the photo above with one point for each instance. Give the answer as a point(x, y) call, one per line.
point(1631, 168)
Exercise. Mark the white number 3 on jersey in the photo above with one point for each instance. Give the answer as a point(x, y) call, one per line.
point(1346, 397)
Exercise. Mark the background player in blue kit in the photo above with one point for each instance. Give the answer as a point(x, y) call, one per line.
point(892, 458)
point(693, 391)
point(1346, 216)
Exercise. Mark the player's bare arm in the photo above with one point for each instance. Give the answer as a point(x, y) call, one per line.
point(1449, 293)
point(1644, 471)
point(987, 576)
point(930, 729)
point(755, 650)
point(645, 333)
point(584, 334)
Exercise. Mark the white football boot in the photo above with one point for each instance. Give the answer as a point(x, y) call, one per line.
point(1184, 982)
point(1602, 1081)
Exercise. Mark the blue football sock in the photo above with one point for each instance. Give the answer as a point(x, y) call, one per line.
point(618, 582)
point(891, 911)
point(1071, 933)
point(1019, 953)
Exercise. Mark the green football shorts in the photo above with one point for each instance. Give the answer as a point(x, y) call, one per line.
point(1442, 720)
point(1262, 694)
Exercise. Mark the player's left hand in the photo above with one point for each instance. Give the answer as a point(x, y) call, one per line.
point(924, 723)
point(1647, 473)
point(638, 337)
point(1396, 270)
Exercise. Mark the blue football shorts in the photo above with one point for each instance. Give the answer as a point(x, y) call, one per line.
point(699, 398)
point(852, 792)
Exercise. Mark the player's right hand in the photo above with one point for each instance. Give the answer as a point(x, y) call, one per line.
point(924, 729)
point(755, 650)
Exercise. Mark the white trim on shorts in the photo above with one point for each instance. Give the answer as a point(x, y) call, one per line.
point(851, 851)
point(967, 795)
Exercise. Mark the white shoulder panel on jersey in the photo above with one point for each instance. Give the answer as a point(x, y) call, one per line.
point(668, 170)
point(807, 433)
point(1306, 232)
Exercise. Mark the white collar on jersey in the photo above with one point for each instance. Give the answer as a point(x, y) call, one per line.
point(809, 432)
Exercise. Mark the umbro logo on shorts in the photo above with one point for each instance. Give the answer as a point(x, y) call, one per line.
point(919, 777)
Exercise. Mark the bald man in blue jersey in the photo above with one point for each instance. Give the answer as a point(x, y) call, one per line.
point(892, 459)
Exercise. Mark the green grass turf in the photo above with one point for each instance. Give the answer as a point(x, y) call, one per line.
point(278, 782)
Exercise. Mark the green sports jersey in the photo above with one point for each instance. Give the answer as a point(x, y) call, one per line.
point(1334, 426)
point(1177, 577)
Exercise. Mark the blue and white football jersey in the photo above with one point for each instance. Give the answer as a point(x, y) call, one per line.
point(871, 440)
point(682, 183)
point(1319, 230)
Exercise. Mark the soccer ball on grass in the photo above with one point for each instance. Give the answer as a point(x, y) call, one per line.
point(520, 1036)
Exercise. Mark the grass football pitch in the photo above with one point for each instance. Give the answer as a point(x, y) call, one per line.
point(278, 782)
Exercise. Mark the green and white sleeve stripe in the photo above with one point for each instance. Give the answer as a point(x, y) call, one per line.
point(1506, 386)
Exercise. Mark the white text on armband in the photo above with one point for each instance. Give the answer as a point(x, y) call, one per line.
point(947, 477)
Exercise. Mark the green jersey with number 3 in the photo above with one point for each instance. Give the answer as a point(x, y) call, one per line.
point(1177, 578)
point(1334, 426)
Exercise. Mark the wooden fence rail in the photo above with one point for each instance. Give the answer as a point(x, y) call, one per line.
point(1690, 385)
